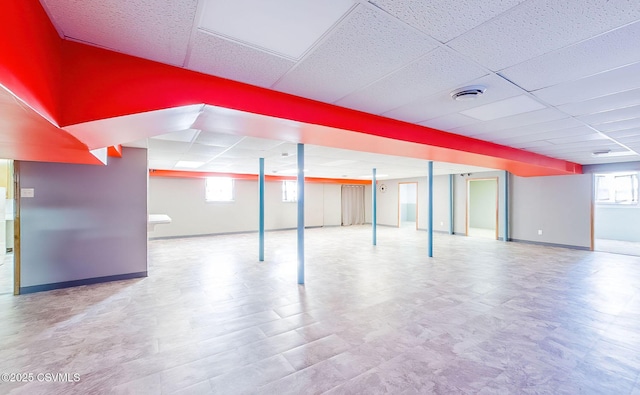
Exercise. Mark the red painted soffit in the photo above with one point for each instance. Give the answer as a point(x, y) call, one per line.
point(65, 83)
point(102, 84)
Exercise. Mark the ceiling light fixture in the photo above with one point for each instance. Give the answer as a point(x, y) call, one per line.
point(607, 153)
point(601, 152)
point(468, 93)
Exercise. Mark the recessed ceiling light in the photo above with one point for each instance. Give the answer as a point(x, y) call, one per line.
point(607, 153)
point(468, 93)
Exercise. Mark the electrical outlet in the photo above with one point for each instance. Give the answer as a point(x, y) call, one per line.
point(539, 232)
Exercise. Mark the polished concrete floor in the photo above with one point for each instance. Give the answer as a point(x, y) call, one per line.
point(618, 246)
point(481, 317)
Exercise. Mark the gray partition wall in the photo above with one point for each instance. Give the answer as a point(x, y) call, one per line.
point(84, 224)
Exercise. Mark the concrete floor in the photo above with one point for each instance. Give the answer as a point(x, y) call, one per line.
point(481, 317)
point(618, 247)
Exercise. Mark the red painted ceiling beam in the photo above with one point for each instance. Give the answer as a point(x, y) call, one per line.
point(102, 84)
point(30, 56)
point(68, 83)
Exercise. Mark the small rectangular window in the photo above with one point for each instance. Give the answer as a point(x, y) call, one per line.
point(219, 189)
point(289, 191)
point(620, 188)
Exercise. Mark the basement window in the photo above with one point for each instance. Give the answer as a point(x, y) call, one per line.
point(617, 188)
point(289, 191)
point(219, 189)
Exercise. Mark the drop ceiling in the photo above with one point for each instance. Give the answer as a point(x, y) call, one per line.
point(562, 78)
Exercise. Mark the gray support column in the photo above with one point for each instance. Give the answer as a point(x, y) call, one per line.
point(261, 215)
point(300, 213)
point(451, 203)
point(374, 215)
point(506, 206)
point(430, 211)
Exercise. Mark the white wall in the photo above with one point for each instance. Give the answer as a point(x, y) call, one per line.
point(183, 200)
point(460, 205)
point(332, 209)
point(617, 222)
point(388, 202)
point(482, 208)
point(85, 223)
point(3, 224)
point(560, 206)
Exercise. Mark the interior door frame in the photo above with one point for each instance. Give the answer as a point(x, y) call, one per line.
point(467, 203)
point(400, 202)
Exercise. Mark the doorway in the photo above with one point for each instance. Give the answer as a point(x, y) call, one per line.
point(408, 205)
point(6, 227)
point(616, 226)
point(482, 208)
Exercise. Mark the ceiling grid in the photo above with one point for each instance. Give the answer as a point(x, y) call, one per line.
point(562, 78)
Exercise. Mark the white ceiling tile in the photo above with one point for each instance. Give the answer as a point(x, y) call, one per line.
point(258, 144)
point(239, 153)
point(576, 139)
point(619, 125)
point(202, 149)
point(441, 103)
point(153, 30)
point(536, 27)
point(603, 103)
point(355, 54)
point(154, 154)
point(162, 164)
point(531, 145)
point(168, 146)
point(339, 162)
point(601, 53)
point(615, 81)
point(591, 160)
point(513, 138)
point(190, 157)
point(183, 135)
point(218, 163)
point(492, 129)
point(234, 61)
point(504, 108)
point(444, 19)
point(630, 140)
point(217, 139)
point(620, 114)
point(440, 69)
point(582, 146)
point(449, 121)
point(265, 24)
point(624, 133)
point(550, 127)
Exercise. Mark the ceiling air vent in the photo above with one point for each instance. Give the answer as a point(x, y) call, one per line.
point(468, 93)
